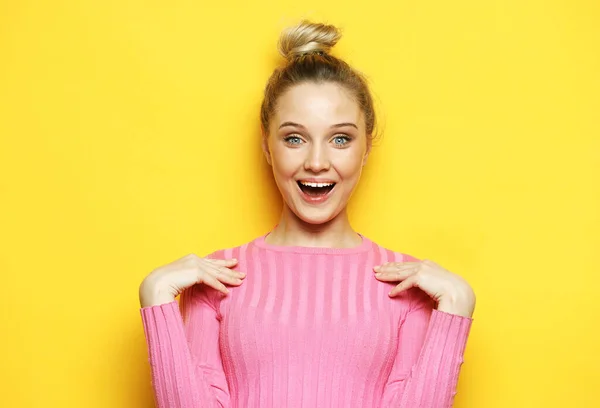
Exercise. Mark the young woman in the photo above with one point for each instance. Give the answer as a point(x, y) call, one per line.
point(310, 314)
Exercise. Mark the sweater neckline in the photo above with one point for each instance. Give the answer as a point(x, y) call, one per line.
point(363, 247)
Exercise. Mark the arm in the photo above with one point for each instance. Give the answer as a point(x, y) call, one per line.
point(183, 351)
point(429, 356)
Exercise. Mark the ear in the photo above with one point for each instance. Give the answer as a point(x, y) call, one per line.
point(366, 156)
point(265, 148)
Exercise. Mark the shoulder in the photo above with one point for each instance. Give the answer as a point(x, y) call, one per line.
point(204, 294)
point(238, 252)
point(387, 254)
point(417, 297)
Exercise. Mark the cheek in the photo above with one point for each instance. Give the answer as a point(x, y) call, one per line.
point(349, 165)
point(284, 163)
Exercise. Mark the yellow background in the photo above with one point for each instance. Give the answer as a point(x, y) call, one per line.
point(130, 137)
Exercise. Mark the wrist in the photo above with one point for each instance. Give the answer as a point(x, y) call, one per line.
point(460, 303)
point(151, 294)
point(459, 310)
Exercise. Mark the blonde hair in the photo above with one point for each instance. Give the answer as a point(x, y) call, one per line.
point(306, 48)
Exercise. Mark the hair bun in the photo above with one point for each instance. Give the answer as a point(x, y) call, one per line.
point(307, 37)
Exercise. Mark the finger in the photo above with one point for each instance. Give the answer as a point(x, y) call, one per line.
point(396, 275)
point(224, 267)
point(389, 266)
point(224, 262)
point(214, 283)
point(227, 271)
point(230, 272)
point(402, 286)
point(226, 275)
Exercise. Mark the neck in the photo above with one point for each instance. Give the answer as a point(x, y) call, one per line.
point(292, 231)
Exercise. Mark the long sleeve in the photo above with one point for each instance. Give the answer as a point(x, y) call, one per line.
point(430, 353)
point(309, 326)
point(183, 351)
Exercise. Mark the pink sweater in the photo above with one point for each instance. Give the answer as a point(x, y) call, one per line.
point(308, 327)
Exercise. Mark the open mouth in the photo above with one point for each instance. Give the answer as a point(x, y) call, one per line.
point(315, 189)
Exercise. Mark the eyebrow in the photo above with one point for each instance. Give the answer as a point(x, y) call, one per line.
point(337, 125)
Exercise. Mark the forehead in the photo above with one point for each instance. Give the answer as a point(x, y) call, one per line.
point(317, 105)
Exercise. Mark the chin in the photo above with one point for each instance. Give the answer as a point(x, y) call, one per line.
point(315, 218)
point(315, 214)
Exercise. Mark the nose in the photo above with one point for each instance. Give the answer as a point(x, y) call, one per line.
point(317, 159)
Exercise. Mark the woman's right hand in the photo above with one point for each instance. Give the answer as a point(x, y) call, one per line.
point(163, 284)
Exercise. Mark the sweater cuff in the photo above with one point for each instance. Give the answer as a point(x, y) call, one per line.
point(448, 325)
point(162, 322)
point(148, 310)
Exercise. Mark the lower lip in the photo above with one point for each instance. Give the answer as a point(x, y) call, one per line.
point(315, 199)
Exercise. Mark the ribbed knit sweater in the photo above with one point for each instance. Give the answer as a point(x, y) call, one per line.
point(308, 327)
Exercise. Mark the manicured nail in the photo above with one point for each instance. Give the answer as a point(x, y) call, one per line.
point(377, 268)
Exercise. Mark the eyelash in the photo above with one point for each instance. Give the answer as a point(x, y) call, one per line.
point(348, 139)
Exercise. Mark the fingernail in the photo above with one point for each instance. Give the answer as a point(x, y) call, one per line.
point(378, 274)
point(377, 268)
point(242, 273)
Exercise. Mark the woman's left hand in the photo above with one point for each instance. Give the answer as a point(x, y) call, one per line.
point(452, 293)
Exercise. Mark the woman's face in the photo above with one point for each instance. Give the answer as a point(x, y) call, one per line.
point(317, 146)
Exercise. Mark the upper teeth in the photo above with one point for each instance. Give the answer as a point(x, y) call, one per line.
point(306, 183)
